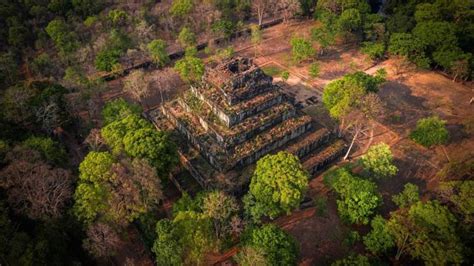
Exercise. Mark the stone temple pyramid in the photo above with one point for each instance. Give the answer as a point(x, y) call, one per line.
point(235, 116)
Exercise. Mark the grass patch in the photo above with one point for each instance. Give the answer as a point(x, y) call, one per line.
point(272, 70)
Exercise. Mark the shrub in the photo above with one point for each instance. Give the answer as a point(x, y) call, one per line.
point(314, 69)
point(408, 196)
point(430, 131)
point(375, 51)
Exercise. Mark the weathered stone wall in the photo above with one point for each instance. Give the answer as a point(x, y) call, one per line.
point(325, 157)
point(275, 144)
point(203, 149)
point(232, 119)
point(229, 141)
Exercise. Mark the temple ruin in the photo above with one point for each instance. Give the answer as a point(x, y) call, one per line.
point(235, 116)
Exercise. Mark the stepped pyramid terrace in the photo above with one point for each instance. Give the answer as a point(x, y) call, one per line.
point(235, 116)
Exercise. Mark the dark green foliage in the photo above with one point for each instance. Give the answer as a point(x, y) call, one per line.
point(8, 69)
point(187, 203)
point(108, 58)
point(358, 198)
point(50, 150)
point(279, 247)
point(426, 231)
point(269, 198)
point(405, 44)
point(63, 37)
point(153, 145)
point(378, 240)
point(352, 260)
point(307, 7)
point(430, 131)
point(350, 20)
point(119, 109)
point(115, 132)
point(91, 194)
point(87, 7)
point(224, 28)
point(352, 238)
point(375, 51)
point(167, 248)
point(23, 243)
point(408, 196)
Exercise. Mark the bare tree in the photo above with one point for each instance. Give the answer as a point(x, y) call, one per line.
point(49, 115)
point(35, 189)
point(288, 8)
point(361, 118)
point(94, 140)
point(135, 189)
point(260, 8)
point(102, 240)
point(137, 85)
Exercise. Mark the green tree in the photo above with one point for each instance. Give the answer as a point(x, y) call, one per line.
point(195, 234)
point(187, 38)
point(158, 53)
point(221, 208)
point(459, 193)
point(307, 7)
point(181, 8)
point(352, 260)
point(63, 37)
point(358, 198)
point(50, 150)
point(301, 49)
point(117, 16)
point(375, 50)
point(350, 20)
point(190, 68)
point(277, 186)
point(378, 240)
point(406, 45)
point(427, 12)
point(167, 248)
point(91, 195)
point(378, 161)
point(408, 196)
point(107, 59)
point(278, 247)
point(430, 131)
point(115, 132)
point(426, 231)
point(153, 145)
point(118, 109)
point(433, 35)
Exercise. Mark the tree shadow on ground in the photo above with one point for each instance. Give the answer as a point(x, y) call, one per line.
point(403, 108)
